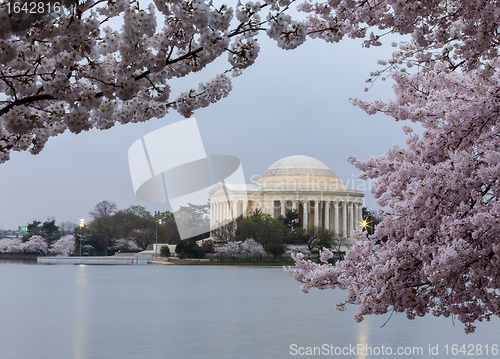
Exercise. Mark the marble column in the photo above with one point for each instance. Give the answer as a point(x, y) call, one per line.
point(283, 207)
point(241, 208)
point(234, 209)
point(355, 214)
point(294, 208)
point(349, 219)
point(353, 222)
point(336, 224)
point(316, 214)
point(360, 212)
point(211, 215)
point(320, 214)
point(327, 215)
point(358, 217)
point(268, 208)
point(344, 219)
point(305, 216)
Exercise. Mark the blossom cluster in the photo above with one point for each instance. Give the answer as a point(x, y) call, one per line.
point(10, 245)
point(249, 247)
point(296, 249)
point(76, 73)
point(436, 250)
point(64, 246)
point(126, 244)
point(458, 30)
point(37, 244)
point(314, 275)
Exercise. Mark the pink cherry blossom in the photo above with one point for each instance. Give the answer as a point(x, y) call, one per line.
point(75, 72)
point(64, 246)
point(436, 250)
point(36, 244)
point(8, 244)
point(249, 247)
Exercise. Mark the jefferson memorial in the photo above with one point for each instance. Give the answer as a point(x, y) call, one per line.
point(298, 183)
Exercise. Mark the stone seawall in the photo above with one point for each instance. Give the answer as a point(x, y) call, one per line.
point(138, 259)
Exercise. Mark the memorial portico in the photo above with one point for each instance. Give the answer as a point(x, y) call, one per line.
point(298, 183)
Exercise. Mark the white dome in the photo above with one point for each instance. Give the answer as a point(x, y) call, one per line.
point(298, 165)
point(298, 162)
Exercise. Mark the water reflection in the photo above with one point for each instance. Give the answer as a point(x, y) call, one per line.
point(185, 312)
point(6, 260)
point(80, 312)
point(363, 336)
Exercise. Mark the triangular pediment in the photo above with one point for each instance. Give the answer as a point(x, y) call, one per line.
point(219, 189)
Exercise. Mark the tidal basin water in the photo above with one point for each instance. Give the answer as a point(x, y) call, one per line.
point(122, 312)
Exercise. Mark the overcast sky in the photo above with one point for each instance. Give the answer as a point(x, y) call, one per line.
point(288, 103)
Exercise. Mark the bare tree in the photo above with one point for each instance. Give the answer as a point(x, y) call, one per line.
point(225, 233)
point(317, 238)
point(142, 237)
point(102, 229)
point(104, 209)
point(339, 244)
point(67, 228)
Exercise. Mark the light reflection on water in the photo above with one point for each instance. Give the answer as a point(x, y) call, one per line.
point(363, 338)
point(80, 312)
point(123, 312)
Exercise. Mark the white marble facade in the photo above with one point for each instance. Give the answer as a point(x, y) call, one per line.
point(298, 183)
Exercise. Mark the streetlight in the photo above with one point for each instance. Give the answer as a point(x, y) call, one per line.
point(82, 224)
point(365, 225)
point(157, 221)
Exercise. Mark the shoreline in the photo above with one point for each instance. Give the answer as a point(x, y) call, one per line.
point(208, 262)
point(122, 258)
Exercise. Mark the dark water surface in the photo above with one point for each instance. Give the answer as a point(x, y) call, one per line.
point(133, 312)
